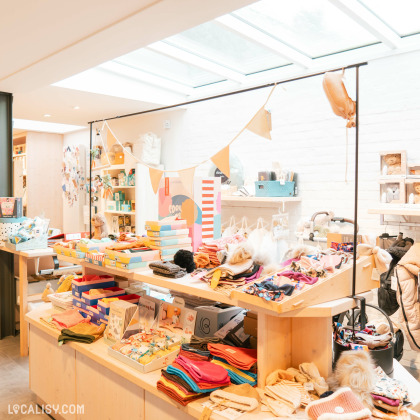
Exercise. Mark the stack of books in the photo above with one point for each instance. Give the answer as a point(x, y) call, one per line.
point(168, 236)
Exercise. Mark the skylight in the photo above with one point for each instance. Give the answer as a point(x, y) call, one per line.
point(45, 127)
point(261, 43)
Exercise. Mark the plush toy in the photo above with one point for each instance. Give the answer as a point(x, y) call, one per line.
point(416, 186)
point(392, 193)
point(100, 228)
point(185, 259)
point(47, 291)
point(393, 163)
point(64, 284)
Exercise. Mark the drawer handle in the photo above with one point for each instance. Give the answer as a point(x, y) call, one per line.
point(367, 266)
point(299, 303)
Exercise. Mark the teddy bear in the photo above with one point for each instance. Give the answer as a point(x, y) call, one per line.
point(393, 164)
point(100, 228)
point(416, 186)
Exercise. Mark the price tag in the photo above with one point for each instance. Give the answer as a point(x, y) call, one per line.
point(309, 386)
point(394, 283)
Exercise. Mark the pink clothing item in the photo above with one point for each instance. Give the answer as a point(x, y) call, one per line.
point(288, 262)
point(307, 263)
point(202, 371)
point(331, 262)
point(68, 319)
point(389, 401)
point(295, 275)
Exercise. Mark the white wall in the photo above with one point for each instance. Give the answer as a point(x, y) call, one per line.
point(73, 216)
point(309, 139)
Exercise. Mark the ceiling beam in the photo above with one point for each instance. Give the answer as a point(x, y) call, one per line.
point(123, 69)
point(197, 61)
point(250, 32)
point(369, 21)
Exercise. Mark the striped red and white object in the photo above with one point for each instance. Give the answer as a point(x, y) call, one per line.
point(208, 208)
point(96, 256)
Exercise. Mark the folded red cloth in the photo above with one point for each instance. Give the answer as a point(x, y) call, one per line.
point(175, 393)
point(204, 371)
point(68, 319)
point(201, 385)
point(238, 357)
point(193, 356)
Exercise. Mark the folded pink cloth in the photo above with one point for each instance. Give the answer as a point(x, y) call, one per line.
point(295, 275)
point(389, 401)
point(68, 319)
point(204, 371)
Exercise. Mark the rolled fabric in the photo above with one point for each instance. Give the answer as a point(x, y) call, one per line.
point(382, 257)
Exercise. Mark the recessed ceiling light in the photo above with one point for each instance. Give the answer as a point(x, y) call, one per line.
point(76, 107)
point(47, 115)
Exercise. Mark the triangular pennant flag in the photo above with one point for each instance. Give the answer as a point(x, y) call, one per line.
point(221, 160)
point(155, 177)
point(187, 178)
point(110, 140)
point(261, 123)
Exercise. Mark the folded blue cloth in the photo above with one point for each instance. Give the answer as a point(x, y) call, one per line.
point(238, 379)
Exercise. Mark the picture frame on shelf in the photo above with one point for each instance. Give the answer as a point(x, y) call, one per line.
point(392, 191)
point(393, 163)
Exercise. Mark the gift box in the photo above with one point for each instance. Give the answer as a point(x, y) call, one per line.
point(201, 208)
point(96, 258)
point(119, 196)
point(109, 292)
point(141, 254)
point(11, 207)
point(103, 307)
point(90, 281)
point(132, 265)
point(111, 205)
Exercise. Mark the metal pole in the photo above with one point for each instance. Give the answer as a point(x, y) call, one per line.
point(293, 79)
point(90, 180)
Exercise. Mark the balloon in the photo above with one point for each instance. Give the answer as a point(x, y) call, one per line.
point(341, 104)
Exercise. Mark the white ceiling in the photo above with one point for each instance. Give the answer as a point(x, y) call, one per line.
point(50, 40)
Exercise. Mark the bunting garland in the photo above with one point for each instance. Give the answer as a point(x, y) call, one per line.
point(259, 124)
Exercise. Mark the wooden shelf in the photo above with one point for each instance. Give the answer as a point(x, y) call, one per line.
point(119, 167)
point(235, 201)
point(19, 155)
point(413, 210)
point(119, 212)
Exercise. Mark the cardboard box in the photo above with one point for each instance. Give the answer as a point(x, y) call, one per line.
point(251, 326)
point(201, 208)
point(212, 318)
point(10, 207)
point(120, 315)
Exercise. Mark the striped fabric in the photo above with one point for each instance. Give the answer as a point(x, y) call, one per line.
point(208, 209)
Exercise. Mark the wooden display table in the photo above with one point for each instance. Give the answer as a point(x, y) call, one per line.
point(24, 256)
point(85, 374)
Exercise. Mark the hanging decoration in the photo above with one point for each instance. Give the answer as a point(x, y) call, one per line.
point(155, 177)
point(187, 178)
point(221, 160)
point(72, 174)
point(107, 186)
point(259, 124)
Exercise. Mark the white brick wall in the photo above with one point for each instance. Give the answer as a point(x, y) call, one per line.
point(309, 139)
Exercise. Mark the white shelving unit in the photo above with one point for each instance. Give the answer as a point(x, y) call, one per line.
point(236, 201)
point(413, 210)
point(119, 212)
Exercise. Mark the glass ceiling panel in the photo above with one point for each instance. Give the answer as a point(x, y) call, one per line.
point(315, 28)
point(168, 68)
point(403, 16)
point(218, 44)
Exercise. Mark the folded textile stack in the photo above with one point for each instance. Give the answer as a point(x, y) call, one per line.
point(232, 275)
point(63, 300)
point(82, 333)
point(193, 353)
point(388, 396)
point(239, 362)
point(168, 237)
point(240, 397)
point(211, 248)
point(286, 390)
point(187, 379)
point(167, 269)
point(201, 343)
point(66, 319)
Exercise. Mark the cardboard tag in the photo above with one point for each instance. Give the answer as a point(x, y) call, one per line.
point(394, 283)
point(309, 386)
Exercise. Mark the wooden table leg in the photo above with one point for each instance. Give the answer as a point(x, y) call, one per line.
point(312, 342)
point(23, 304)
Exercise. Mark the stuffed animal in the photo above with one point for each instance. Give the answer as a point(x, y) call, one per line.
point(392, 193)
point(100, 228)
point(47, 291)
point(416, 186)
point(393, 163)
